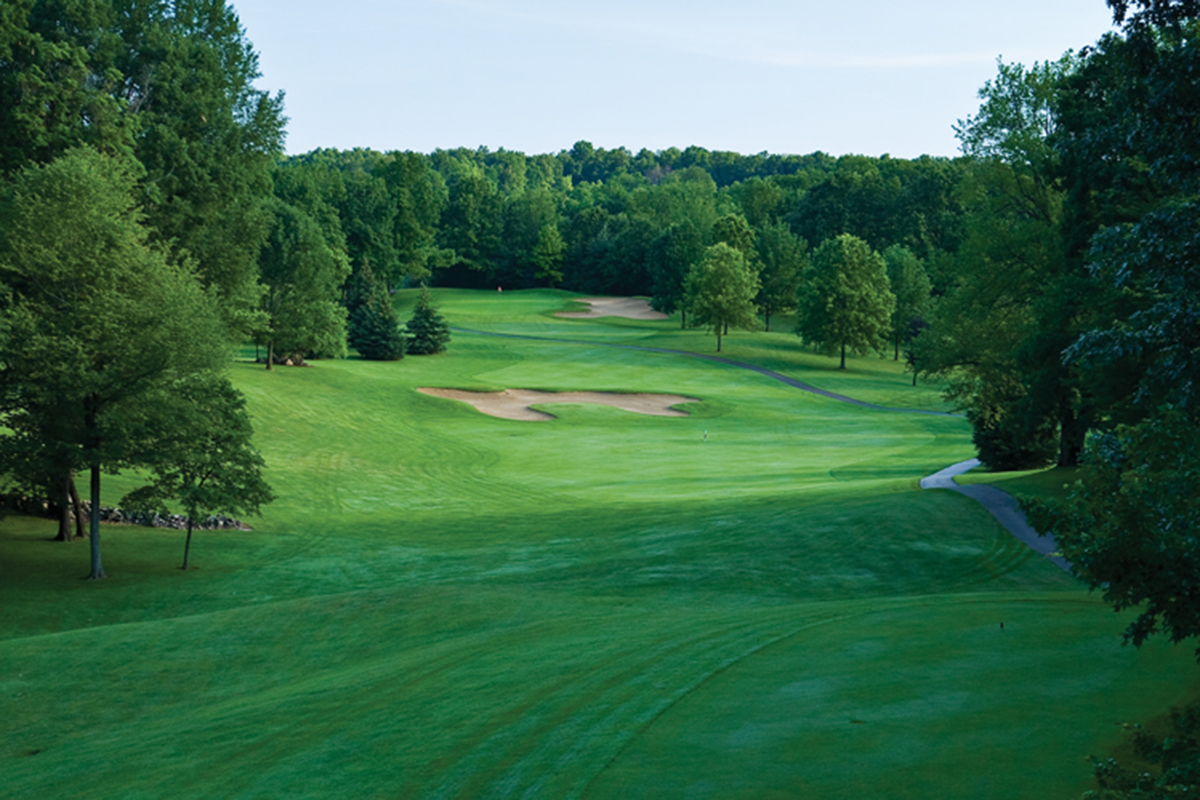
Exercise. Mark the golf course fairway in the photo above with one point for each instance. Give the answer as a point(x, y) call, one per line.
point(752, 600)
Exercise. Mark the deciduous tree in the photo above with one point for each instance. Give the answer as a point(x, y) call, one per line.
point(204, 458)
point(97, 320)
point(720, 291)
point(845, 302)
point(784, 257)
point(672, 256)
point(548, 255)
point(303, 277)
point(910, 284)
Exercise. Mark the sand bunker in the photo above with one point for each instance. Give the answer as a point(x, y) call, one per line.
point(515, 403)
point(630, 307)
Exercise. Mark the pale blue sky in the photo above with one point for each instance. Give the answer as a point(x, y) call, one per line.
point(856, 76)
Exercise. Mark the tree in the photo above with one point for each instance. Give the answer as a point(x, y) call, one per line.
point(1175, 751)
point(672, 256)
point(846, 301)
point(303, 278)
point(783, 256)
point(205, 459)
point(1157, 13)
point(428, 331)
point(1133, 177)
point(374, 327)
point(206, 136)
point(171, 83)
point(418, 194)
point(548, 255)
point(1018, 301)
point(50, 98)
point(471, 223)
point(910, 284)
point(1128, 528)
point(733, 230)
point(368, 214)
point(758, 199)
point(719, 292)
point(97, 321)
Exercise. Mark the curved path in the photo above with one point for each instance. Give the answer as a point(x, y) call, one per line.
point(1000, 504)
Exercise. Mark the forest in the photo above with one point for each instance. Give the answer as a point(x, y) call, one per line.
point(1049, 275)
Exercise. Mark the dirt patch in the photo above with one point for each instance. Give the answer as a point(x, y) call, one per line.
point(628, 307)
point(516, 403)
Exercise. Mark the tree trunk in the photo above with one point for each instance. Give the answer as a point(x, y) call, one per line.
point(682, 319)
point(897, 358)
point(767, 320)
point(97, 567)
point(843, 366)
point(914, 377)
point(1070, 436)
point(77, 504)
point(270, 353)
point(726, 328)
point(187, 544)
point(718, 338)
point(64, 504)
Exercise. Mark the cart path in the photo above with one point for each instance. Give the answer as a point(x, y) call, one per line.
point(720, 360)
point(1002, 505)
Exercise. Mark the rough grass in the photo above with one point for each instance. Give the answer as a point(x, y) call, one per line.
point(446, 604)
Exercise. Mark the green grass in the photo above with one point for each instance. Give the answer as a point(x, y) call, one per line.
point(1053, 483)
point(445, 604)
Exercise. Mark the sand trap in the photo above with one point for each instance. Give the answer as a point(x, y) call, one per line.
point(515, 403)
point(629, 307)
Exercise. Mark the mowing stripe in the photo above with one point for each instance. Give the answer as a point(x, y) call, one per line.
point(773, 375)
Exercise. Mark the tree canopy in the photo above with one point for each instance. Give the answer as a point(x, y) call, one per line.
point(302, 276)
point(205, 459)
point(845, 303)
point(720, 290)
point(171, 84)
point(97, 320)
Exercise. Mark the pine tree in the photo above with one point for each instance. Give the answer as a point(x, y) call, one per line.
point(374, 327)
point(428, 330)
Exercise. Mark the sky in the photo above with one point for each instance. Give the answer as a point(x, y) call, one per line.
point(856, 76)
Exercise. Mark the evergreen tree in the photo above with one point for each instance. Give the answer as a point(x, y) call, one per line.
point(428, 331)
point(374, 327)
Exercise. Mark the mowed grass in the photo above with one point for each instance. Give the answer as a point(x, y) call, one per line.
point(445, 604)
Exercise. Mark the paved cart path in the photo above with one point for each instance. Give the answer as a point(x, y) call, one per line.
point(1002, 505)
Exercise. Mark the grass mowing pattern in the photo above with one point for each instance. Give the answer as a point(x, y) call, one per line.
point(446, 604)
